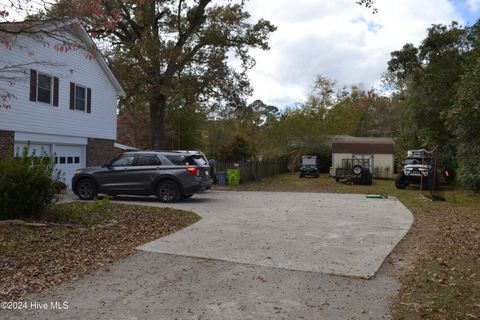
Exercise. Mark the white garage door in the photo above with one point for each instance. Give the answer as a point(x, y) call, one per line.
point(68, 159)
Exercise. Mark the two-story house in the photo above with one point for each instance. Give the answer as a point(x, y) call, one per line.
point(64, 102)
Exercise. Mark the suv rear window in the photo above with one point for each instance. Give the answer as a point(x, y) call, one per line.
point(178, 160)
point(187, 161)
point(198, 160)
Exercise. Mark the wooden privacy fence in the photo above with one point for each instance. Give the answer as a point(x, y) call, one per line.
point(254, 170)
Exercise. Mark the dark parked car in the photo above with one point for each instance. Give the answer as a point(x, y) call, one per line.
point(168, 175)
point(309, 167)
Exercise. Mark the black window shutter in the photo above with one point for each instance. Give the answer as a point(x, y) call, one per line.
point(89, 100)
point(33, 85)
point(55, 91)
point(72, 96)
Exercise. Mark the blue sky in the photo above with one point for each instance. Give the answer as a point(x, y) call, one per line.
point(469, 10)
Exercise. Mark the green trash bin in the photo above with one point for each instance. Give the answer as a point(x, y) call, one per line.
point(233, 176)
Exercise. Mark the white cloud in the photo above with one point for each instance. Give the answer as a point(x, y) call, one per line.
point(338, 39)
point(474, 5)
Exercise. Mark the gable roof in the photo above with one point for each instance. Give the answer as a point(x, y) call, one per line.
point(42, 27)
point(365, 145)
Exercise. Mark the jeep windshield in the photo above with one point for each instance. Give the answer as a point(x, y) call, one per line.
point(309, 162)
point(417, 161)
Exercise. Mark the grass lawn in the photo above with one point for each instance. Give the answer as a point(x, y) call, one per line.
point(441, 252)
point(85, 237)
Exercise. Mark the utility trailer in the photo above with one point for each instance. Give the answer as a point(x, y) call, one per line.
point(355, 171)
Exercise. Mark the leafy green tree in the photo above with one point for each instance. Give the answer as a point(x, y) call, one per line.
point(433, 84)
point(323, 95)
point(237, 149)
point(464, 118)
point(176, 44)
point(186, 122)
point(404, 63)
point(425, 78)
point(437, 94)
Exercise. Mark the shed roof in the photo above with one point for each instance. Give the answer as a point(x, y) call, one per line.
point(364, 145)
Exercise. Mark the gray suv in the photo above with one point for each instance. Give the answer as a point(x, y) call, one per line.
point(168, 175)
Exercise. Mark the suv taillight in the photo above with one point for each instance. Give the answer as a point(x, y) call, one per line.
point(193, 171)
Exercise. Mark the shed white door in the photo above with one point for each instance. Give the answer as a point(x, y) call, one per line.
point(68, 159)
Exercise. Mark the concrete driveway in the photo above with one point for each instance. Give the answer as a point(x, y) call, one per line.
point(254, 255)
point(341, 234)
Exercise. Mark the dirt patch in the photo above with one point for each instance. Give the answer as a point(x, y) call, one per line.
point(34, 259)
point(442, 254)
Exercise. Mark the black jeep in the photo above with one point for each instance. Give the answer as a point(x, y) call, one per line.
point(309, 167)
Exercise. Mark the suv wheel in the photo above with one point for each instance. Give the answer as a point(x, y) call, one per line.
point(167, 191)
point(86, 189)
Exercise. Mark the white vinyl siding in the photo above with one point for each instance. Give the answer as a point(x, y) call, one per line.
point(72, 66)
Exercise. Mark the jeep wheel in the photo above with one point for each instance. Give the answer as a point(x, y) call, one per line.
point(400, 183)
point(86, 189)
point(167, 191)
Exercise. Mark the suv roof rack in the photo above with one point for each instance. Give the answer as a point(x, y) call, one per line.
point(422, 153)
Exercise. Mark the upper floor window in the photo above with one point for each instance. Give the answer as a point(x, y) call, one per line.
point(80, 98)
point(44, 88)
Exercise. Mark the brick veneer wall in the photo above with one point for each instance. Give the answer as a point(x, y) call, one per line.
point(7, 139)
point(99, 151)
